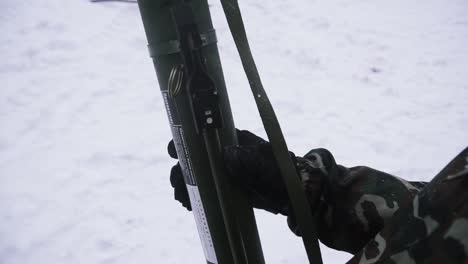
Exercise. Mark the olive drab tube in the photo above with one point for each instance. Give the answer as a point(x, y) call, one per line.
point(182, 44)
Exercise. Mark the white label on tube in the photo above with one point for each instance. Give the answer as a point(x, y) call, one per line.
point(202, 223)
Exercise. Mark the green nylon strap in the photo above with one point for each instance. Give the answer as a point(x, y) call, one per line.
point(300, 205)
point(173, 46)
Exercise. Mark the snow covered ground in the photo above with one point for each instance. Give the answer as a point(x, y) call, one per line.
point(83, 132)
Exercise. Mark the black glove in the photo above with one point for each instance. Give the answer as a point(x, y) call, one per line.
point(316, 169)
point(177, 180)
point(253, 165)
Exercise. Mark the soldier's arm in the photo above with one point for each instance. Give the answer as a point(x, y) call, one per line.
point(432, 228)
point(354, 203)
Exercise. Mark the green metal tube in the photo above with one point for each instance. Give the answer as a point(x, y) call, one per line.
point(214, 149)
point(226, 226)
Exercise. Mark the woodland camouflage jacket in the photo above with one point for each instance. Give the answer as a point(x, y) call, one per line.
point(381, 218)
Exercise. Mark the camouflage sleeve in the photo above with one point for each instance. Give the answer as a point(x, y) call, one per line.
point(431, 228)
point(356, 203)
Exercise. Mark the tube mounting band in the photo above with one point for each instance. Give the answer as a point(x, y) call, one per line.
point(173, 46)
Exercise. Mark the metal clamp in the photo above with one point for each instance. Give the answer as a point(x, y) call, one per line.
point(173, 46)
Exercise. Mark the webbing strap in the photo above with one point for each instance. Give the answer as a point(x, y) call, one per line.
point(173, 46)
point(300, 205)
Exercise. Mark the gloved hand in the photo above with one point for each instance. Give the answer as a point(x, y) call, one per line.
point(316, 169)
point(253, 165)
point(177, 180)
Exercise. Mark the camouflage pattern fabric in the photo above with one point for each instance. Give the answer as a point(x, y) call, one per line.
point(384, 219)
point(433, 228)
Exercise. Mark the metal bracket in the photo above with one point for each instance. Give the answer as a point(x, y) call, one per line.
point(173, 46)
point(203, 96)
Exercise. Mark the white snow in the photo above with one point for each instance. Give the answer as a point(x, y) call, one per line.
point(83, 130)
